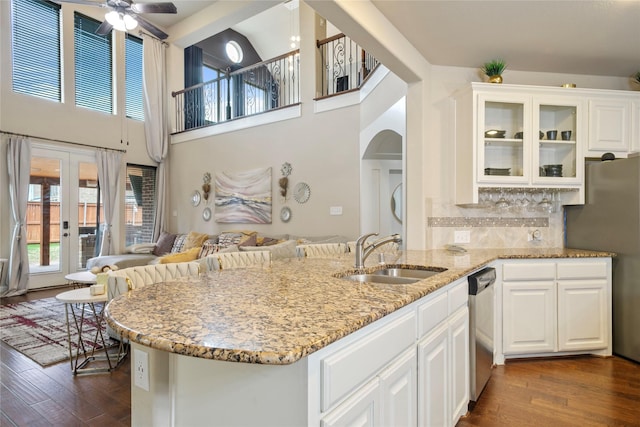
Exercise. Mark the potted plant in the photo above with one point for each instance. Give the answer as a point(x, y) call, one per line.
point(636, 77)
point(494, 70)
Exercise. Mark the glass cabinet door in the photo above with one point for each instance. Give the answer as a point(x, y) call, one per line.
point(555, 152)
point(504, 127)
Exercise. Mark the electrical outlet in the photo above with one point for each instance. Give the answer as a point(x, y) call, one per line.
point(534, 236)
point(335, 210)
point(141, 369)
point(462, 236)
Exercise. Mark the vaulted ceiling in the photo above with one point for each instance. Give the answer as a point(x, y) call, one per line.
point(596, 37)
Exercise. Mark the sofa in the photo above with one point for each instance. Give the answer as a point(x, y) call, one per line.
point(193, 246)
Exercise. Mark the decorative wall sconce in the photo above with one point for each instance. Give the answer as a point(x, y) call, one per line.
point(284, 181)
point(206, 186)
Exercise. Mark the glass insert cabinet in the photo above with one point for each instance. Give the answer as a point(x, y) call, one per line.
point(518, 136)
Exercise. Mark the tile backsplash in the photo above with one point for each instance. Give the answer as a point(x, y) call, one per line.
point(492, 228)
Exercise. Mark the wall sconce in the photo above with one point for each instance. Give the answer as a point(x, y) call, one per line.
point(284, 181)
point(206, 186)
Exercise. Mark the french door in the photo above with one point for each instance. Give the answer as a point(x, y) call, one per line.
point(63, 212)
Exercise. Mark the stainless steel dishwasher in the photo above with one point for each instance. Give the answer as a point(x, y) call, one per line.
point(481, 315)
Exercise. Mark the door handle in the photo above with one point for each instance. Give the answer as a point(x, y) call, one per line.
point(65, 235)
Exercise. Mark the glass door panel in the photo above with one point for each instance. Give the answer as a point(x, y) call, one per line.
point(88, 214)
point(504, 156)
point(43, 214)
point(60, 221)
point(556, 153)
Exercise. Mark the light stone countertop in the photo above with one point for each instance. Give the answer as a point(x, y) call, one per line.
point(281, 313)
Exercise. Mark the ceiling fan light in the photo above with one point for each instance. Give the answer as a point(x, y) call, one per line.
point(129, 22)
point(112, 17)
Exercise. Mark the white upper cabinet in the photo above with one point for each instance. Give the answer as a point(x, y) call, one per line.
point(609, 127)
point(538, 137)
point(518, 136)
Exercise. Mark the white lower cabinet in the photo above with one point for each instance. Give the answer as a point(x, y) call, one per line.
point(433, 368)
point(398, 388)
point(529, 313)
point(411, 369)
point(361, 409)
point(443, 372)
point(551, 306)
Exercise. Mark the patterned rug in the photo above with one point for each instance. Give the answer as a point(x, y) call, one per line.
point(38, 329)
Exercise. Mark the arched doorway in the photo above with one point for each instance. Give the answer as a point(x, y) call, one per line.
point(382, 186)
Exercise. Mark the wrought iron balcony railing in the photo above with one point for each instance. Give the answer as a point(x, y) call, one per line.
point(256, 89)
point(345, 65)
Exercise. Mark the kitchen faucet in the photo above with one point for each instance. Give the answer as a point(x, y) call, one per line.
point(363, 252)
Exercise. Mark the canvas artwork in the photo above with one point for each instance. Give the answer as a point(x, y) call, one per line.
point(243, 197)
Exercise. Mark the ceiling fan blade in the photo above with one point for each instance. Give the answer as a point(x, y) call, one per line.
point(151, 28)
point(154, 8)
point(104, 29)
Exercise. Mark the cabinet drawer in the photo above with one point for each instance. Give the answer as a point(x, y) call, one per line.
point(344, 371)
point(582, 270)
point(431, 313)
point(458, 296)
point(529, 271)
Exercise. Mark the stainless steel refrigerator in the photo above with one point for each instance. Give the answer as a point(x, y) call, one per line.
point(610, 221)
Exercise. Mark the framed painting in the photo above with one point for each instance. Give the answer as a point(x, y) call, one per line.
point(243, 197)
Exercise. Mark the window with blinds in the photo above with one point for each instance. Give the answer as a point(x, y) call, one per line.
point(94, 71)
point(133, 77)
point(36, 48)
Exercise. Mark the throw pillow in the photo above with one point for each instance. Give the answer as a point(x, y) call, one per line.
point(194, 240)
point(188, 255)
point(164, 244)
point(240, 238)
point(178, 244)
point(208, 248)
point(285, 249)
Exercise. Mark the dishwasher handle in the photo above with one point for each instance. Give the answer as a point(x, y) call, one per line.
point(481, 280)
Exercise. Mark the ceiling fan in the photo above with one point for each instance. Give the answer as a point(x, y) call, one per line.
point(124, 15)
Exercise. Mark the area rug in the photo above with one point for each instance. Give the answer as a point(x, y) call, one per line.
point(38, 329)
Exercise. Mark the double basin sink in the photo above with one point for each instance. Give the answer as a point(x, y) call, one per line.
point(391, 274)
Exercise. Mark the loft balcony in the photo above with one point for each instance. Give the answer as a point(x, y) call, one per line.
point(272, 85)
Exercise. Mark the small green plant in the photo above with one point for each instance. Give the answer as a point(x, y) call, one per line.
point(636, 77)
point(494, 68)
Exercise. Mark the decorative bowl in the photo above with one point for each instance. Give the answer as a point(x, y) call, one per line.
point(494, 133)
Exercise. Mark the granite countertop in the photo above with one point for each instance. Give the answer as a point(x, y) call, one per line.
point(281, 313)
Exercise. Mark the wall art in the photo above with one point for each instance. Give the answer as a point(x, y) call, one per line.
point(243, 197)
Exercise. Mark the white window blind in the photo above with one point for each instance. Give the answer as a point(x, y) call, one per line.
point(94, 72)
point(133, 76)
point(36, 48)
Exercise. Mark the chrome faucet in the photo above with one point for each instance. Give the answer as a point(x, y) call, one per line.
point(363, 252)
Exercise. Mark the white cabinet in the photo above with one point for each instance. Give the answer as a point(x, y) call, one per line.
point(398, 387)
point(518, 136)
point(551, 306)
point(409, 369)
point(362, 409)
point(529, 312)
point(433, 383)
point(443, 361)
point(609, 126)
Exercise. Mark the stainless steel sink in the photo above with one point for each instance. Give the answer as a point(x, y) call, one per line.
point(409, 272)
point(380, 278)
point(395, 275)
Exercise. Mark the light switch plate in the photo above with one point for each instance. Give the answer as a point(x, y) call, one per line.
point(335, 210)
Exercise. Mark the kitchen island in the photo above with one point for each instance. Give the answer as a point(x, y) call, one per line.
point(290, 324)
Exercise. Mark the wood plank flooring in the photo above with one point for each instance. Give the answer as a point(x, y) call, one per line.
point(576, 391)
point(34, 396)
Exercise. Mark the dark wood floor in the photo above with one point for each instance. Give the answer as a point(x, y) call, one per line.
point(53, 396)
point(577, 391)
